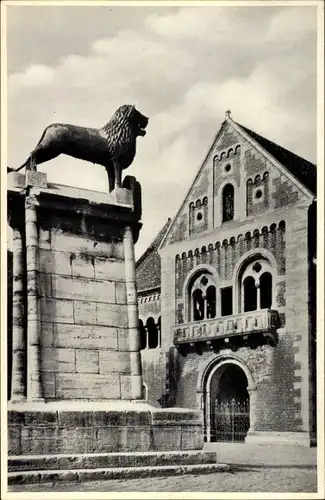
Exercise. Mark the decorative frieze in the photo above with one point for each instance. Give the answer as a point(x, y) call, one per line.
point(224, 255)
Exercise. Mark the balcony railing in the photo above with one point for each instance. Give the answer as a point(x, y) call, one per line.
point(261, 324)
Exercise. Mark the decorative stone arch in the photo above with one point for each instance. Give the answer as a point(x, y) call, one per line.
point(148, 315)
point(205, 375)
point(219, 199)
point(201, 268)
point(211, 365)
point(144, 331)
point(243, 262)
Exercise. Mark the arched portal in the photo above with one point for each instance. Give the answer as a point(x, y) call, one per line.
point(227, 405)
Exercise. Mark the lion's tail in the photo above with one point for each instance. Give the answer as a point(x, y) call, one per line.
point(9, 169)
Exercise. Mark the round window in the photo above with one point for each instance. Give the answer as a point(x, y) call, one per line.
point(199, 216)
point(228, 167)
point(259, 194)
point(204, 281)
point(257, 267)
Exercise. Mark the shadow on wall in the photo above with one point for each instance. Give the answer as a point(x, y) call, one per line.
point(173, 374)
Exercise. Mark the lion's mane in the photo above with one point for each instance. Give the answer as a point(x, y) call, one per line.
point(121, 133)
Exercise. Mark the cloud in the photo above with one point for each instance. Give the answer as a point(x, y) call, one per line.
point(35, 75)
point(226, 24)
point(292, 24)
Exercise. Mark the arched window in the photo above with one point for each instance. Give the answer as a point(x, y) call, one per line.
point(250, 294)
point(228, 199)
point(211, 301)
point(256, 286)
point(266, 290)
point(202, 298)
point(152, 333)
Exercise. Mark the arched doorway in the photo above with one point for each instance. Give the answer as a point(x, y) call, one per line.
point(228, 404)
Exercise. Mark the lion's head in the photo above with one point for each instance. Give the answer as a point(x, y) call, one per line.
point(130, 116)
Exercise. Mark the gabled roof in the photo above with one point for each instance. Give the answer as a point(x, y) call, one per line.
point(298, 169)
point(148, 266)
point(302, 169)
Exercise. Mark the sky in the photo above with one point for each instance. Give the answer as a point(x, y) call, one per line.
point(181, 66)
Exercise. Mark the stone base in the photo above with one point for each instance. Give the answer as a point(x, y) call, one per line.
point(281, 438)
point(106, 427)
point(81, 468)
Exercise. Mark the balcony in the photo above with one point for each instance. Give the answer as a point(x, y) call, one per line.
point(249, 329)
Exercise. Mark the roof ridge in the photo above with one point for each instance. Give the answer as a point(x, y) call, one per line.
point(304, 171)
point(155, 242)
point(199, 170)
point(250, 131)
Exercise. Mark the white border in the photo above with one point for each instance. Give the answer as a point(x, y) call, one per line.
point(320, 249)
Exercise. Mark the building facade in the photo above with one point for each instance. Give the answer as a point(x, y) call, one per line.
point(227, 295)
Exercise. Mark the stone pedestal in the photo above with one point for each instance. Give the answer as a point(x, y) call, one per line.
point(77, 381)
point(101, 428)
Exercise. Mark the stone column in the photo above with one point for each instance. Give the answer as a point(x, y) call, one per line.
point(208, 416)
point(159, 334)
point(258, 296)
point(252, 408)
point(205, 307)
point(133, 316)
point(147, 337)
point(242, 298)
point(18, 389)
point(34, 388)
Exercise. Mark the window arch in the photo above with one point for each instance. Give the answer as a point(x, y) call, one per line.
point(202, 297)
point(256, 285)
point(228, 203)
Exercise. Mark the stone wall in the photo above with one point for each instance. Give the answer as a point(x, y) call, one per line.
point(64, 432)
point(155, 376)
point(173, 380)
point(284, 400)
point(272, 371)
point(83, 316)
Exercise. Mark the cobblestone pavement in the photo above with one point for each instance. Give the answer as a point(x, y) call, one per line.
point(256, 469)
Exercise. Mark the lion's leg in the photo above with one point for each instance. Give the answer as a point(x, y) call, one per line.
point(118, 175)
point(111, 179)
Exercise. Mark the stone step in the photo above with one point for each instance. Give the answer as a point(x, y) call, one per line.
point(105, 460)
point(100, 474)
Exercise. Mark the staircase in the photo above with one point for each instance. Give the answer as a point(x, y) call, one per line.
point(101, 466)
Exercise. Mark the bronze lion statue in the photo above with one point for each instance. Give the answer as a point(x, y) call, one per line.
point(113, 146)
